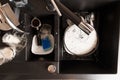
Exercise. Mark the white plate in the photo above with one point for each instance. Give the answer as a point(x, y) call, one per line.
point(38, 50)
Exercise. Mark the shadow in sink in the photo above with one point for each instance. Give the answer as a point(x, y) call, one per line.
point(104, 59)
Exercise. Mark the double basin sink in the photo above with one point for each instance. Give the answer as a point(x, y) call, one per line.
point(102, 61)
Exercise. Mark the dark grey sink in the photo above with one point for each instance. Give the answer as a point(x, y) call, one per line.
point(104, 59)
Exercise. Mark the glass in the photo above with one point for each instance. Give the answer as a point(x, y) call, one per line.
point(16, 40)
point(6, 55)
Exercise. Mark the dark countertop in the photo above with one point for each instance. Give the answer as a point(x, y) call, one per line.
point(24, 67)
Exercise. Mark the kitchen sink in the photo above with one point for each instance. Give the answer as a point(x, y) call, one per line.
point(102, 61)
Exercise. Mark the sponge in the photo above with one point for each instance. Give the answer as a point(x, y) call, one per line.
point(46, 43)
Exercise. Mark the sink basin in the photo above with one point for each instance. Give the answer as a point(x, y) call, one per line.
point(47, 19)
point(104, 59)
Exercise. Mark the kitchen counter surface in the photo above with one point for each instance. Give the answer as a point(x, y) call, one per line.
point(23, 69)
